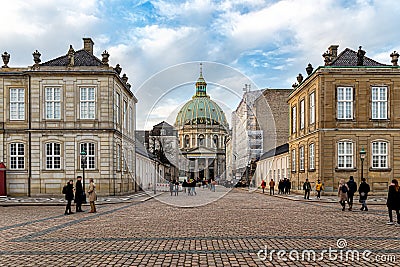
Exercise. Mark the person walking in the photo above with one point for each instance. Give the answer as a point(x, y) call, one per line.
point(263, 185)
point(92, 196)
point(289, 186)
point(79, 194)
point(363, 190)
point(307, 189)
point(342, 193)
point(272, 187)
point(184, 185)
point(68, 190)
point(350, 194)
point(318, 188)
point(393, 201)
point(171, 186)
point(176, 188)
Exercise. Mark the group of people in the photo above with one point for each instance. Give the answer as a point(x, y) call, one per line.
point(284, 186)
point(190, 186)
point(78, 195)
point(347, 190)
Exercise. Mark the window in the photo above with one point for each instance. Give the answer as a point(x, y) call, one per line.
point(215, 140)
point(17, 156)
point(163, 132)
point(130, 119)
point(379, 103)
point(117, 112)
point(301, 155)
point(201, 140)
point(293, 160)
point(53, 156)
point(294, 119)
point(312, 108)
point(17, 104)
point(125, 107)
point(311, 157)
point(379, 154)
point(279, 174)
point(302, 117)
point(53, 105)
point(87, 103)
point(344, 102)
point(89, 148)
point(118, 157)
point(345, 154)
point(187, 141)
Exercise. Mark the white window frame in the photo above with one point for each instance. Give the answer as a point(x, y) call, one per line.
point(125, 107)
point(117, 111)
point(345, 154)
point(380, 154)
point(17, 104)
point(293, 160)
point(312, 107)
point(87, 106)
point(52, 103)
point(302, 114)
point(294, 119)
point(345, 100)
point(90, 149)
point(379, 102)
point(301, 158)
point(17, 156)
point(53, 156)
point(118, 157)
point(311, 156)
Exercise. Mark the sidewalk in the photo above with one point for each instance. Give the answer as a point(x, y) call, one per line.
point(296, 196)
point(50, 201)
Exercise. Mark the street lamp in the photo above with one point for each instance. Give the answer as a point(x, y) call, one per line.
point(83, 164)
point(362, 157)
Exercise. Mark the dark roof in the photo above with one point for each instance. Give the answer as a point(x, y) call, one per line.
point(81, 58)
point(163, 124)
point(275, 151)
point(348, 58)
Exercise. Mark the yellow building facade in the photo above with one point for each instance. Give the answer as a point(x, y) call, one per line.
point(343, 108)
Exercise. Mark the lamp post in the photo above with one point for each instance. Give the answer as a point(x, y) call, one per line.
point(362, 157)
point(83, 164)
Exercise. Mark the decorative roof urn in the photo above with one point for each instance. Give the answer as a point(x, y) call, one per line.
point(36, 57)
point(395, 58)
point(6, 58)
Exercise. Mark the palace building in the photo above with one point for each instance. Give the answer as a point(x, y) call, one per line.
point(202, 132)
point(344, 121)
point(68, 116)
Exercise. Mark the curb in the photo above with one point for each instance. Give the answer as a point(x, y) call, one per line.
point(58, 204)
point(310, 200)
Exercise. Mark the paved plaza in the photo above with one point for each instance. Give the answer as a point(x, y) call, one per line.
point(226, 228)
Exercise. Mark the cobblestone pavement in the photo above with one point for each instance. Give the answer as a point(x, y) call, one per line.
point(240, 229)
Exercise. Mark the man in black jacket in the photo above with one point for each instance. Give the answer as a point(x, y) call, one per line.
point(363, 190)
point(307, 189)
point(78, 194)
point(69, 196)
point(350, 194)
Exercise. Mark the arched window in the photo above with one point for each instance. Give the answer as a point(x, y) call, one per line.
point(380, 150)
point(345, 154)
point(215, 140)
point(187, 141)
point(200, 140)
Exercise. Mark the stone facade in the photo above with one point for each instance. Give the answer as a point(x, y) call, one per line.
point(342, 108)
point(273, 117)
point(51, 112)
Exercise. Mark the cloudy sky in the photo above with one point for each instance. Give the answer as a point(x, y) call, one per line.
point(160, 43)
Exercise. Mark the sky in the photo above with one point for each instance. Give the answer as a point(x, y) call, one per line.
point(160, 44)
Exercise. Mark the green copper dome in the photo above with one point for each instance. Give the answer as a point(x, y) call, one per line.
point(200, 109)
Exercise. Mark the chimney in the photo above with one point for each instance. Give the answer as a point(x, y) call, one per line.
point(333, 51)
point(88, 45)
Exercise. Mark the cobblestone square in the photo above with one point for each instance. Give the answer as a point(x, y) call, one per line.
point(235, 228)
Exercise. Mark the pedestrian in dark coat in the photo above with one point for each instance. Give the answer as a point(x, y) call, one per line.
point(69, 196)
point(307, 189)
point(79, 194)
point(350, 194)
point(363, 190)
point(393, 201)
